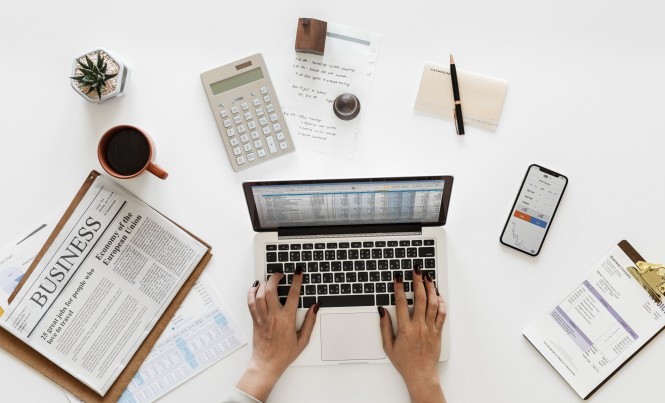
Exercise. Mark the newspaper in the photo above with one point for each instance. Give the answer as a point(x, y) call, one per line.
point(97, 292)
point(200, 334)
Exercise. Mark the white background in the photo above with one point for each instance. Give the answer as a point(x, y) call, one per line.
point(585, 98)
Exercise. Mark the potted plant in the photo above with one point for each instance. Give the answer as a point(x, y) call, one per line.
point(99, 75)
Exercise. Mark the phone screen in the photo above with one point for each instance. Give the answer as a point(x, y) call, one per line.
point(533, 211)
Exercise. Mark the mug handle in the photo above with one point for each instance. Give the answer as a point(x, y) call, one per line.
point(157, 171)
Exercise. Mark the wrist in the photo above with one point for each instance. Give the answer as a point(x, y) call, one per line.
point(425, 388)
point(258, 380)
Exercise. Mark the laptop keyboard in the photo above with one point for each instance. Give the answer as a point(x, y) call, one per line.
point(347, 274)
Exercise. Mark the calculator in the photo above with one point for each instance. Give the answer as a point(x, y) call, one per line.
point(247, 112)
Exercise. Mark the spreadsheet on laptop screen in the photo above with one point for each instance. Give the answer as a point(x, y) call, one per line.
point(349, 203)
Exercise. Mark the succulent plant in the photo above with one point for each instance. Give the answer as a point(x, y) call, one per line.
point(94, 74)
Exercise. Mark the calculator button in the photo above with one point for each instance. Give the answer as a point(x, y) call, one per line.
point(251, 157)
point(234, 109)
point(271, 144)
point(237, 151)
point(258, 144)
point(259, 112)
point(247, 147)
point(266, 130)
point(279, 135)
point(266, 98)
point(237, 119)
point(256, 102)
point(244, 138)
point(263, 121)
point(240, 160)
point(248, 116)
point(234, 142)
point(230, 132)
point(264, 90)
point(261, 153)
point(224, 113)
point(270, 108)
point(227, 123)
point(255, 134)
point(273, 117)
point(277, 127)
point(241, 129)
point(251, 125)
point(244, 106)
point(283, 145)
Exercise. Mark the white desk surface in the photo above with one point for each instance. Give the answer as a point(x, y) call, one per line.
point(585, 97)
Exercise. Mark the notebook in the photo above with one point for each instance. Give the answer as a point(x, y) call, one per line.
point(481, 96)
point(350, 237)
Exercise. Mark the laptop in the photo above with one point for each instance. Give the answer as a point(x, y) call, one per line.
point(350, 237)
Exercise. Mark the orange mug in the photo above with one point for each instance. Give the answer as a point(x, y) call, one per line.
point(126, 152)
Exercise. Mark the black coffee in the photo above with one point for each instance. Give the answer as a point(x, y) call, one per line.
point(127, 151)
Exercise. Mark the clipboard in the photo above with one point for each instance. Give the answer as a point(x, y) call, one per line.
point(34, 359)
point(636, 258)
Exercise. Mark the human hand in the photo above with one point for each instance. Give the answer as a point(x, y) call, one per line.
point(276, 342)
point(416, 348)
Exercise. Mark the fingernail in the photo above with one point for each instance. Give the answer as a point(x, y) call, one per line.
point(429, 278)
point(315, 308)
point(382, 311)
point(255, 284)
point(298, 270)
point(279, 271)
point(398, 277)
point(416, 268)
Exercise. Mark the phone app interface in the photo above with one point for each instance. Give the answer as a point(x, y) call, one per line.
point(533, 211)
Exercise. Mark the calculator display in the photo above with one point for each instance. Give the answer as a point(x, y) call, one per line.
point(236, 81)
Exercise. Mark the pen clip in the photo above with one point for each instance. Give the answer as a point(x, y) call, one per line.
point(455, 119)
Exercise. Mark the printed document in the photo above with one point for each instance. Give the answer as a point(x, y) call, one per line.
point(16, 257)
point(314, 82)
point(600, 323)
point(201, 333)
point(106, 280)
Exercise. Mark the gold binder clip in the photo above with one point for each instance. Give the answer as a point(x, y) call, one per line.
point(652, 278)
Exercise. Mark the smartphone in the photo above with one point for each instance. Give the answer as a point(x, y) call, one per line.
point(533, 211)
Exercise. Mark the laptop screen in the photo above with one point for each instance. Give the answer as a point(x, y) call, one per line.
point(373, 201)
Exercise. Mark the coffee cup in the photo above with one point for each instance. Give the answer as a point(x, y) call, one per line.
point(126, 152)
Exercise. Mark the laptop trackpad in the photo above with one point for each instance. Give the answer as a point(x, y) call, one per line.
point(351, 336)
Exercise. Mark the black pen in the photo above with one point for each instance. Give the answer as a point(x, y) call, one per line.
point(459, 121)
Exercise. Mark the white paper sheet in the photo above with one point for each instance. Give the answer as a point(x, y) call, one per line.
point(16, 257)
point(315, 81)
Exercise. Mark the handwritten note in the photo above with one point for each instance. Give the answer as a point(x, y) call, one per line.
point(315, 81)
point(311, 126)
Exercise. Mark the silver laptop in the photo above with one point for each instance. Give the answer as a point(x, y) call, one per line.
point(350, 237)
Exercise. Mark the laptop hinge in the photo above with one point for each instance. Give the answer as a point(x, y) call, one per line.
point(350, 230)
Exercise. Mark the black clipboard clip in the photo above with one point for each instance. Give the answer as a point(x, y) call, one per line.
point(651, 277)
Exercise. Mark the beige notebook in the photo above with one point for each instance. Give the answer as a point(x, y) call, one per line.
point(481, 96)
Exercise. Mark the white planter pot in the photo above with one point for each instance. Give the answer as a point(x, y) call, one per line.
point(114, 87)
